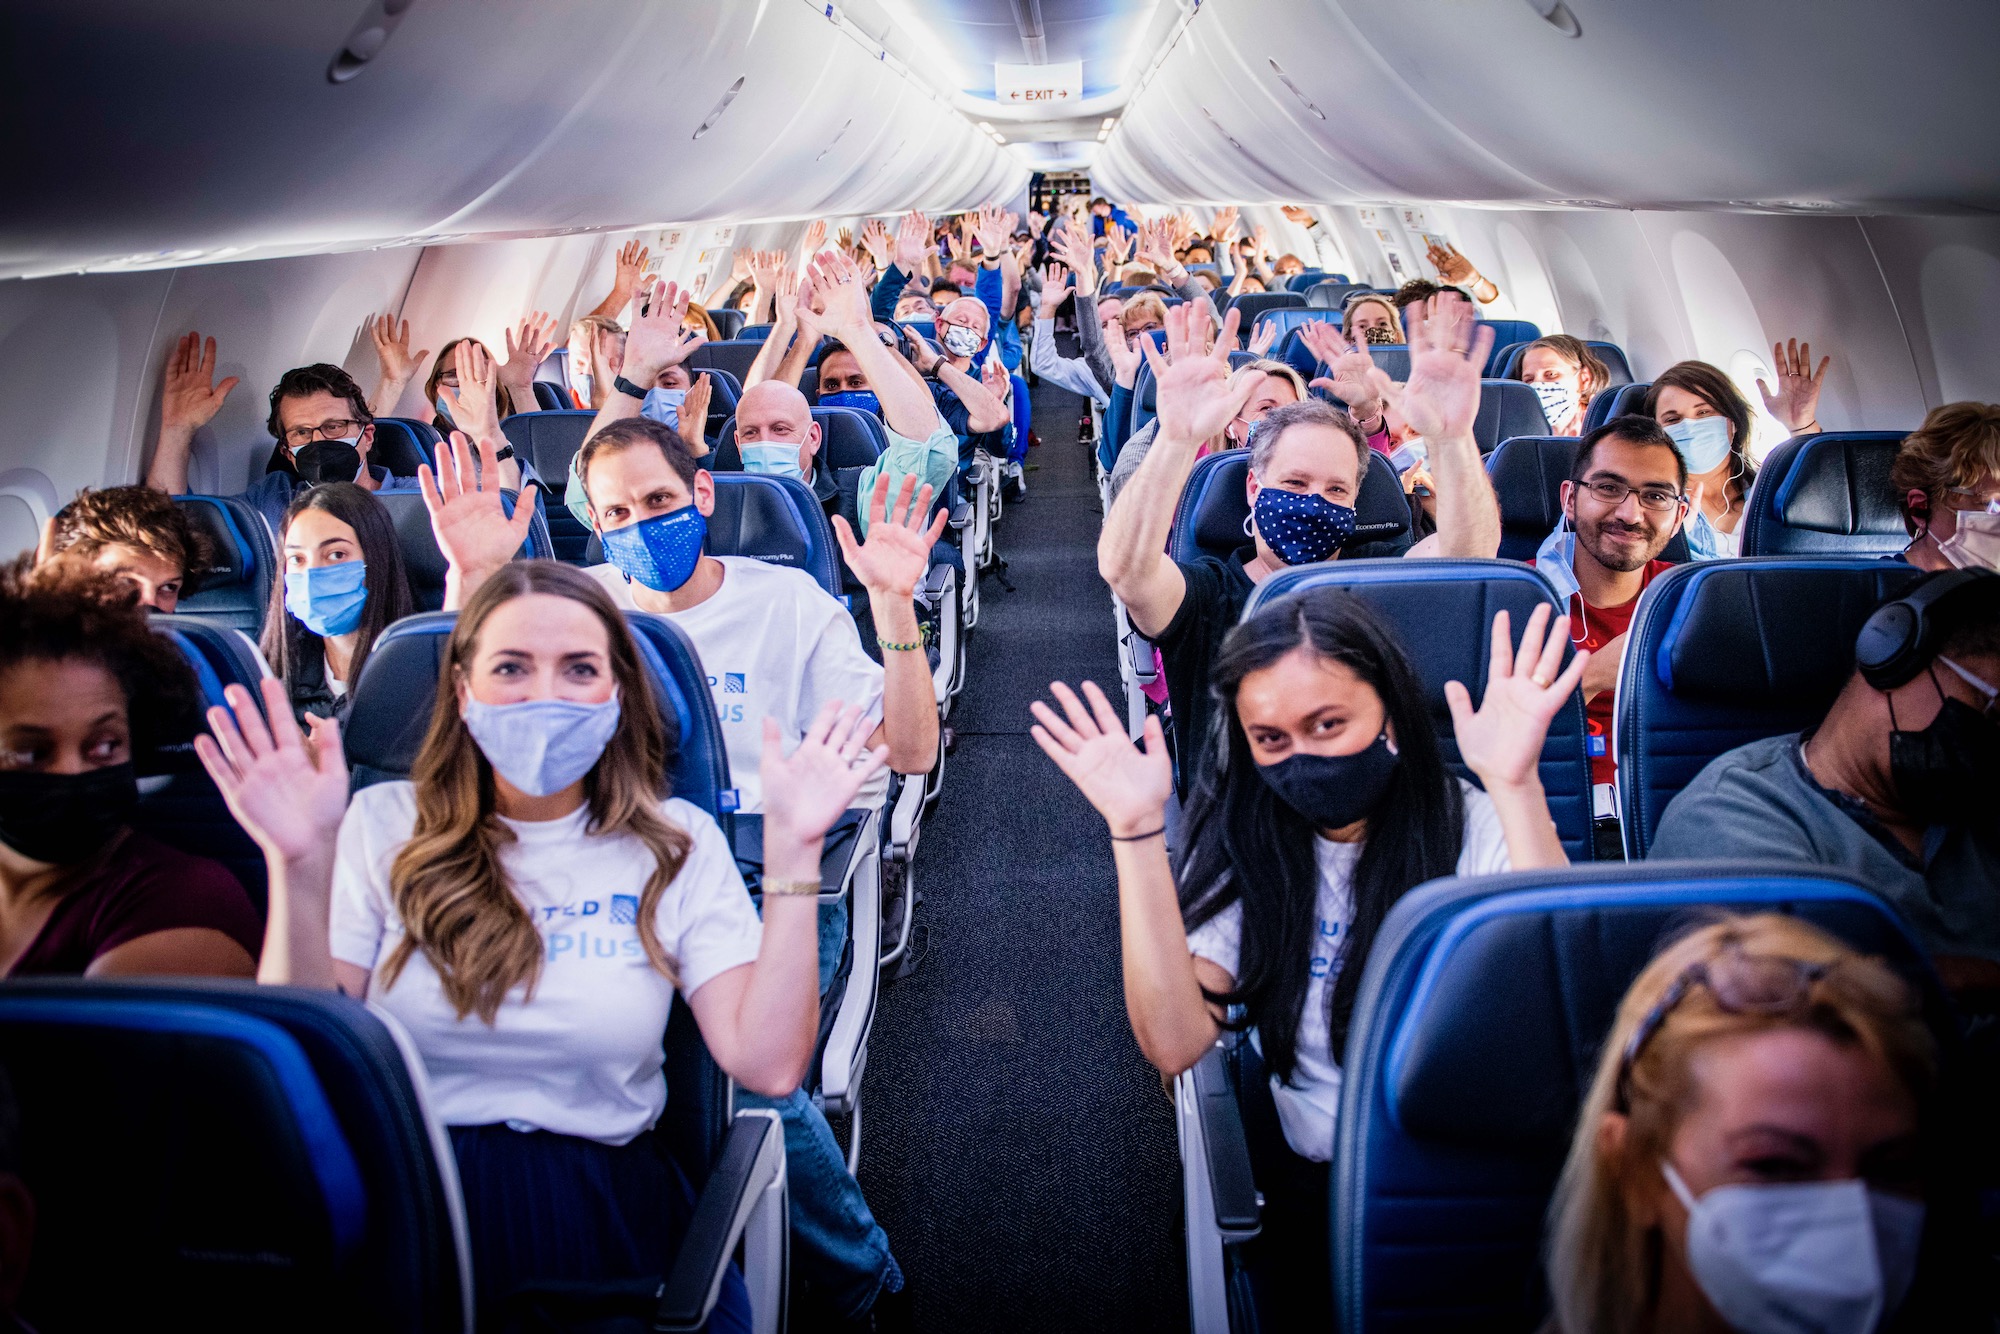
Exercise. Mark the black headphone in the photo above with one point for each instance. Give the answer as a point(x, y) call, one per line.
point(1903, 635)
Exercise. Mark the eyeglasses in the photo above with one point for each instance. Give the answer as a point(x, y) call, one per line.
point(298, 437)
point(1764, 984)
point(1650, 497)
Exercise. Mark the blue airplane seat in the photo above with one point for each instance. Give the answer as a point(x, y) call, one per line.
point(425, 564)
point(1827, 495)
point(1507, 408)
point(1527, 473)
point(1507, 361)
point(1623, 401)
point(549, 440)
point(849, 438)
point(402, 443)
point(1723, 653)
point(729, 323)
point(1208, 520)
point(733, 355)
point(236, 587)
point(777, 520)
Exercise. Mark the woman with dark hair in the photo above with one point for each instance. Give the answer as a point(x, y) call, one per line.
point(529, 904)
point(88, 695)
point(344, 585)
point(1329, 800)
point(1709, 421)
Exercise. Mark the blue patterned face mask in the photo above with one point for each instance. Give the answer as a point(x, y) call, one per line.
point(1302, 529)
point(664, 407)
point(773, 460)
point(328, 599)
point(862, 399)
point(660, 552)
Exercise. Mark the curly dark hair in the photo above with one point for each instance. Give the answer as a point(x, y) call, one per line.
point(320, 377)
point(133, 516)
point(65, 613)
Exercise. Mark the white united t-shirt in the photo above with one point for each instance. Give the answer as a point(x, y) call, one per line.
point(1308, 1105)
point(775, 643)
point(582, 1057)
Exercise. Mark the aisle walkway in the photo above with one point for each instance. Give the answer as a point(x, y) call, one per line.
point(1016, 1146)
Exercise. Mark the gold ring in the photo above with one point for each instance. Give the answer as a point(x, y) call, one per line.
point(1540, 680)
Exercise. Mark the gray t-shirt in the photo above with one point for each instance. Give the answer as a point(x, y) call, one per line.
point(1761, 802)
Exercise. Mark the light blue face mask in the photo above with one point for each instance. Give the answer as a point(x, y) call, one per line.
point(444, 409)
point(664, 407)
point(328, 599)
point(1556, 559)
point(574, 498)
point(541, 746)
point(773, 460)
point(1703, 442)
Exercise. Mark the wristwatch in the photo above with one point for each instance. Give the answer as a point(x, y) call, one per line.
point(504, 453)
point(625, 386)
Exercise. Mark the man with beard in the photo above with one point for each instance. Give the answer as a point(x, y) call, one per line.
point(1624, 499)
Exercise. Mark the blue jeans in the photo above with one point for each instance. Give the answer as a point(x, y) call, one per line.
point(838, 1243)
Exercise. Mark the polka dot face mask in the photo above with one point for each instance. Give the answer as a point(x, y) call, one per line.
point(1302, 529)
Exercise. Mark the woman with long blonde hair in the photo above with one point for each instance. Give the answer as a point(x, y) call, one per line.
point(528, 905)
point(1757, 1147)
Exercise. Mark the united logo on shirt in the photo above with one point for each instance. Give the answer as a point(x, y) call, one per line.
point(732, 684)
point(624, 909)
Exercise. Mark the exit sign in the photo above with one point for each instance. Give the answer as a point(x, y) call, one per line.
point(1025, 85)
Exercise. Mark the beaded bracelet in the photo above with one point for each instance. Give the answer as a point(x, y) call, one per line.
point(894, 647)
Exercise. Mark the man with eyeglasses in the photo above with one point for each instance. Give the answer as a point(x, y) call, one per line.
point(319, 416)
point(1622, 503)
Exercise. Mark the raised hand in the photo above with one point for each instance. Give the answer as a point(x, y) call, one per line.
point(1353, 377)
point(994, 226)
point(392, 347)
point(1447, 356)
point(838, 282)
point(189, 395)
point(474, 404)
point(785, 296)
point(814, 239)
point(287, 789)
point(1262, 237)
point(897, 553)
point(1222, 230)
point(528, 343)
point(957, 246)
point(875, 239)
point(844, 238)
point(1117, 243)
point(1293, 213)
point(994, 376)
point(1073, 248)
point(658, 339)
point(694, 413)
point(1453, 267)
point(913, 242)
point(1156, 245)
point(1123, 351)
point(764, 268)
point(1055, 288)
point(627, 269)
point(473, 530)
point(809, 789)
point(1263, 338)
point(1795, 401)
point(1502, 741)
point(1197, 398)
point(1036, 223)
point(740, 263)
point(1128, 786)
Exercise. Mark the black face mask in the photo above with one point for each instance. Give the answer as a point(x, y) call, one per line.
point(1949, 773)
point(1333, 791)
point(328, 461)
point(63, 818)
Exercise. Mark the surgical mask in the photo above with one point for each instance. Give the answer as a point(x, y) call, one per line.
point(63, 818)
point(1976, 543)
point(961, 341)
point(661, 552)
point(664, 407)
point(1830, 1256)
point(443, 408)
point(1949, 773)
point(1555, 559)
point(1333, 791)
point(541, 746)
point(1301, 529)
point(773, 460)
point(1558, 400)
point(581, 381)
point(1703, 442)
point(328, 599)
point(863, 400)
point(328, 461)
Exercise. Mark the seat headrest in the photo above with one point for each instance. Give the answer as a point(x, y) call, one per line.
point(1507, 408)
point(1329, 295)
point(400, 447)
point(1827, 493)
point(397, 692)
point(423, 563)
point(728, 322)
point(1253, 304)
point(549, 440)
point(733, 355)
point(1509, 331)
point(849, 438)
point(1527, 474)
point(1625, 400)
point(236, 587)
point(1214, 505)
point(1768, 633)
point(1500, 1036)
point(777, 520)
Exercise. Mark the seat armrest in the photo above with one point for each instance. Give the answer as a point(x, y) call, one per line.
point(1238, 1209)
point(751, 1163)
point(936, 580)
point(838, 856)
point(1139, 652)
point(961, 514)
